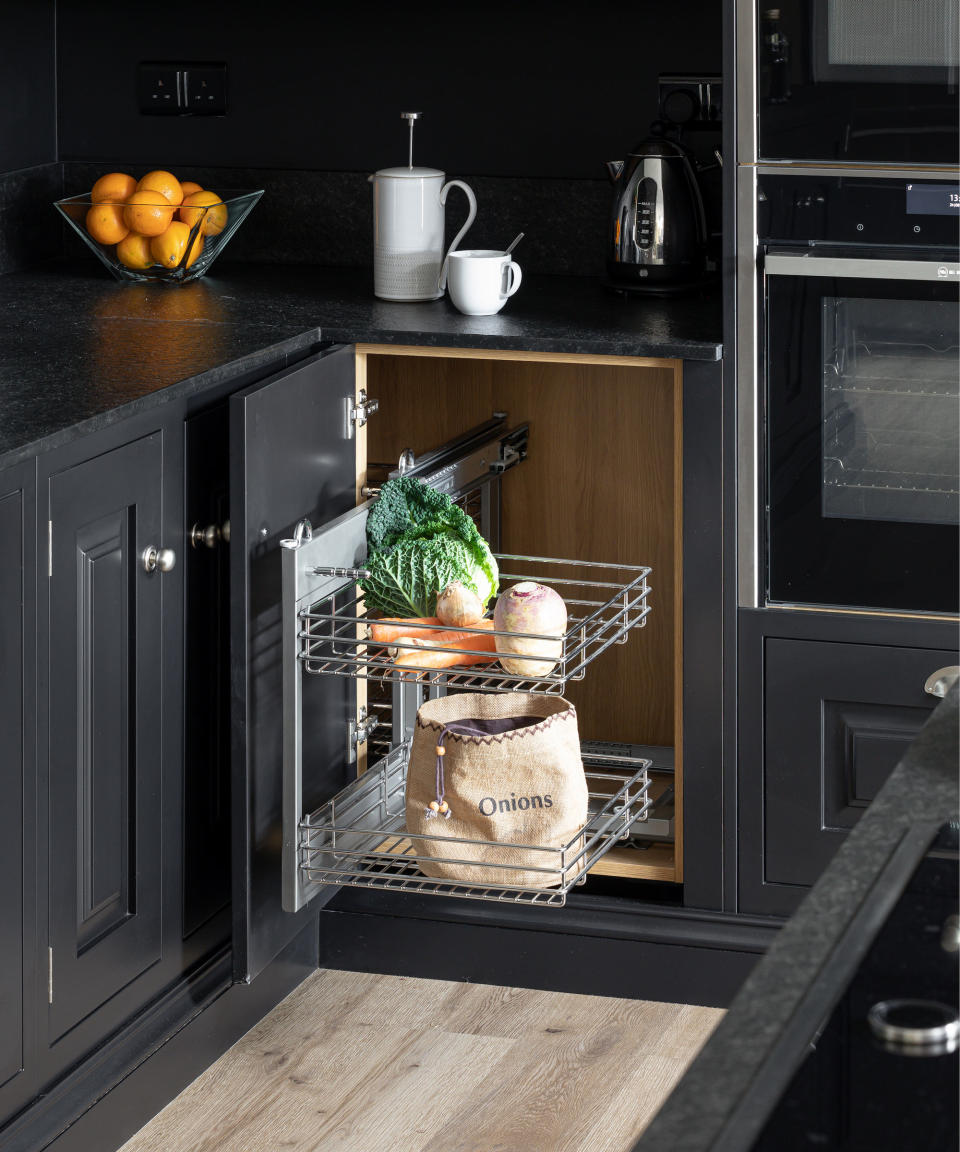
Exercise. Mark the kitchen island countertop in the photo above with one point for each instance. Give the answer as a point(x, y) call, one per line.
point(725, 1096)
point(79, 350)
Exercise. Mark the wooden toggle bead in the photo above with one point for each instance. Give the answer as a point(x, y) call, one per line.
point(441, 751)
point(443, 807)
point(434, 806)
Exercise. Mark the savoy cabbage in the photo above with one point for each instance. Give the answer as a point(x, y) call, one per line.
point(418, 541)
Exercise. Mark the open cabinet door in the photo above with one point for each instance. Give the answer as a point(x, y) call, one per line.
point(293, 456)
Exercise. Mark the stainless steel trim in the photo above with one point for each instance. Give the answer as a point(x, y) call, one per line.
point(942, 1035)
point(795, 168)
point(811, 263)
point(748, 392)
point(746, 81)
point(940, 682)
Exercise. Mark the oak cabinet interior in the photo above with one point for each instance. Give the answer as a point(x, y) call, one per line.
point(602, 481)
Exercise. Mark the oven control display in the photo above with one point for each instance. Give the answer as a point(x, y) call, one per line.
point(933, 200)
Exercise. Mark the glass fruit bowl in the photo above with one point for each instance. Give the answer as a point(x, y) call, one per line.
point(152, 239)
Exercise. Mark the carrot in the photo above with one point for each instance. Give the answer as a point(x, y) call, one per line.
point(386, 631)
point(449, 649)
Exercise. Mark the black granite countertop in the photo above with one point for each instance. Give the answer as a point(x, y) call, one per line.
point(721, 1102)
point(79, 350)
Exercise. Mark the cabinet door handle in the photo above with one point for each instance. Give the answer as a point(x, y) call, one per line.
point(162, 559)
point(940, 682)
point(211, 535)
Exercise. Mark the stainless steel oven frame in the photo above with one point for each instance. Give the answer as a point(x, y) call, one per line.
point(748, 300)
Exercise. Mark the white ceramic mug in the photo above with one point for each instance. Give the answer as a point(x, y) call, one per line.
point(481, 280)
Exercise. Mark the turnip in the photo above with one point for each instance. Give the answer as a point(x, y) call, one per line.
point(529, 607)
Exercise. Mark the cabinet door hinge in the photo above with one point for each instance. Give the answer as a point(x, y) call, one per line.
point(358, 732)
point(49, 975)
point(358, 413)
point(49, 548)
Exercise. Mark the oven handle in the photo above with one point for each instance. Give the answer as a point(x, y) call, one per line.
point(863, 268)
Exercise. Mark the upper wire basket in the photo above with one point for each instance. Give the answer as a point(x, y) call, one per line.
point(604, 601)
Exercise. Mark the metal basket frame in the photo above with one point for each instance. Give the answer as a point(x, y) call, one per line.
point(334, 638)
point(359, 838)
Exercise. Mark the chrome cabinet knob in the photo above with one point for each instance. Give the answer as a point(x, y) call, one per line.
point(210, 536)
point(158, 559)
point(940, 682)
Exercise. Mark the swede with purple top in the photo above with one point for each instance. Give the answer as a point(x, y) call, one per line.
point(529, 607)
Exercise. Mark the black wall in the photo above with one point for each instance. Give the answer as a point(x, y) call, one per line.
point(28, 116)
point(526, 100)
point(505, 88)
point(30, 177)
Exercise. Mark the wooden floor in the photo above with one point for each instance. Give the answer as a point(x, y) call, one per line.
point(361, 1063)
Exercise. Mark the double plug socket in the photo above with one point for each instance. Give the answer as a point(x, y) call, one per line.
point(170, 89)
point(691, 100)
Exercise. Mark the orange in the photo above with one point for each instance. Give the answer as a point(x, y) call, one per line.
point(114, 186)
point(133, 251)
point(168, 248)
point(165, 182)
point(105, 223)
point(189, 187)
point(215, 218)
point(195, 249)
point(148, 213)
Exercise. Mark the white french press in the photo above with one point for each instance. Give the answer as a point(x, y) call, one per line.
point(408, 229)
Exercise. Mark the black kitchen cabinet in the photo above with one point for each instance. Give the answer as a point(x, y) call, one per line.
point(206, 682)
point(106, 686)
point(290, 458)
point(20, 986)
point(823, 723)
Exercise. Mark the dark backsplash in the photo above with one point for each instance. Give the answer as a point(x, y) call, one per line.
point(30, 230)
point(326, 218)
point(536, 102)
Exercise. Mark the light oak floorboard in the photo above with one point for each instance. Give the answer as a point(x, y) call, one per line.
point(364, 1063)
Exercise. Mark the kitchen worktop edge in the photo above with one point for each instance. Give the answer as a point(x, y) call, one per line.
point(79, 352)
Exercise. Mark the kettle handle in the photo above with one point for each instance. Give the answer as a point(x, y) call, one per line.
point(471, 216)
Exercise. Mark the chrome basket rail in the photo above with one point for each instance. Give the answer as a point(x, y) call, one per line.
point(359, 838)
point(604, 602)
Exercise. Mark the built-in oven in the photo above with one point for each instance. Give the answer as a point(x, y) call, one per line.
point(860, 359)
point(849, 82)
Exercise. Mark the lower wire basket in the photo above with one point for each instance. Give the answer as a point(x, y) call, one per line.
point(359, 838)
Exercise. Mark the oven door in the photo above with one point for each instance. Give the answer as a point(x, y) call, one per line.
point(846, 82)
point(862, 431)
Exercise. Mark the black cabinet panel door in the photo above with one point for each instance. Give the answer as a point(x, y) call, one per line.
point(290, 458)
point(19, 986)
point(837, 719)
point(105, 729)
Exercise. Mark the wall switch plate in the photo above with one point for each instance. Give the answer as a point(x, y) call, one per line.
point(205, 89)
point(159, 89)
point(692, 100)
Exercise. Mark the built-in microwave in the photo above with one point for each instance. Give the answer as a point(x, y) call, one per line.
point(849, 82)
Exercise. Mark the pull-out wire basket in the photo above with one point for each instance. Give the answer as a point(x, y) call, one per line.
point(604, 601)
point(359, 838)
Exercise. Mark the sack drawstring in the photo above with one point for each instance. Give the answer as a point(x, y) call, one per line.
point(439, 807)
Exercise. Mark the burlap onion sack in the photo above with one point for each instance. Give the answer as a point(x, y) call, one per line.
point(510, 772)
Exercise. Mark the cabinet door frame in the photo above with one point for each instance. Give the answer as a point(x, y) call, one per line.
point(867, 637)
point(291, 457)
point(126, 1001)
point(18, 588)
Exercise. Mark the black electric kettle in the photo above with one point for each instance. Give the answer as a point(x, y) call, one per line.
point(658, 229)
